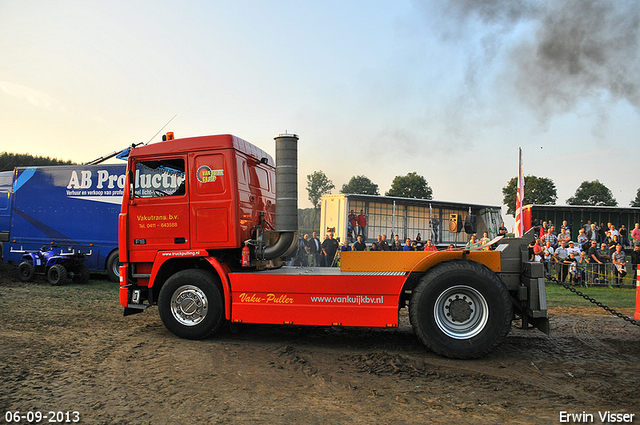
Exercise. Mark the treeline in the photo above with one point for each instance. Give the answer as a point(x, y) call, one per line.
point(308, 220)
point(8, 161)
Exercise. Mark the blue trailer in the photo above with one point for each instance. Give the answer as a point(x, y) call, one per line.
point(74, 207)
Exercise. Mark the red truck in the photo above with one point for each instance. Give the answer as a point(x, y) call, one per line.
point(205, 220)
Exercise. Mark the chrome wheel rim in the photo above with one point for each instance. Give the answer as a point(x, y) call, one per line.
point(189, 305)
point(461, 312)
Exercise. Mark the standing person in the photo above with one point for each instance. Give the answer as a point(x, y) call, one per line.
point(605, 256)
point(301, 258)
point(561, 256)
point(362, 224)
point(566, 228)
point(353, 224)
point(624, 236)
point(547, 252)
point(619, 260)
point(592, 233)
point(502, 231)
point(543, 229)
point(435, 229)
point(306, 250)
point(607, 238)
point(582, 267)
point(635, 260)
point(635, 235)
point(551, 236)
point(330, 248)
point(574, 249)
point(315, 249)
point(614, 241)
point(572, 261)
point(564, 236)
point(602, 232)
point(407, 245)
point(594, 258)
point(582, 240)
point(552, 231)
point(360, 245)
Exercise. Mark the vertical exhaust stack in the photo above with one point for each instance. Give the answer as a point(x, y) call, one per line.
point(286, 197)
point(286, 182)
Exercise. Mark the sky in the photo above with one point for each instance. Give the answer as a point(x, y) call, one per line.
point(449, 90)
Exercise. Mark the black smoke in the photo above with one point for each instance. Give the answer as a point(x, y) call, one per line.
point(581, 50)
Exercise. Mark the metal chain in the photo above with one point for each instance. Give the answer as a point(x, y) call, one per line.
point(593, 301)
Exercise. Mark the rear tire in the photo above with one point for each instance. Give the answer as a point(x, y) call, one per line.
point(81, 274)
point(57, 274)
point(461, 309)
point(191, 304)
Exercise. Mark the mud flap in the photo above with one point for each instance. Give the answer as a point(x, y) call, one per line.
point(535, 312)
point(135, 309)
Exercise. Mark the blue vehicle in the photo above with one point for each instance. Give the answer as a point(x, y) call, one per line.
point(55, 264)
point(70, 206)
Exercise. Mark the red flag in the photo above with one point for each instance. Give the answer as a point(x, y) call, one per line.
point(519, 230)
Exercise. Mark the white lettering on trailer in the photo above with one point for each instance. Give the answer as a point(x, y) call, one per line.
point(111, 180)
point(84, 183)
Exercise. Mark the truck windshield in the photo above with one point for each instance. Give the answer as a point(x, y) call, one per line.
point(156, 178)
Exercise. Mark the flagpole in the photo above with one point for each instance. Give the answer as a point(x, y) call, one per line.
point(519, 230)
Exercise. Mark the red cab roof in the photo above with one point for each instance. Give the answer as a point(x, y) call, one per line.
point(193, 144)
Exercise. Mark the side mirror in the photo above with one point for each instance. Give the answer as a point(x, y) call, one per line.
point(131, 186)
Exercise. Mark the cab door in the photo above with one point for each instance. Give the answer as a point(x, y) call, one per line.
point(159, 210)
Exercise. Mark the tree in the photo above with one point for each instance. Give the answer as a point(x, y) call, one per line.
point(636, 202)
point(306, 220)
point(318, 184)
point(537, 190)
point(10, 160)
point(593, 193)
point(360, 185)
point(410, 186)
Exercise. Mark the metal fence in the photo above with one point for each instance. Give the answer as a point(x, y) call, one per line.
point(593, 274)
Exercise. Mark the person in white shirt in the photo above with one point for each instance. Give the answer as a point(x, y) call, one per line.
point(574, 249)
point(547, 252)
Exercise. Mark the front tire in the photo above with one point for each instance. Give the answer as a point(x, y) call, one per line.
point(461, 309)
point(191, 304)
point(26, 272)
point(112, 266)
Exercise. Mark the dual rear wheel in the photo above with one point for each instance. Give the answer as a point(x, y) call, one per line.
point(460, 309)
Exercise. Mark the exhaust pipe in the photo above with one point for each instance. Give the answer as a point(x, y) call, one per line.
point(286, 197)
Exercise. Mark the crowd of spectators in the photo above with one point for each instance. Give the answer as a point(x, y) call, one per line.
point(311, 252)
point(596, 254)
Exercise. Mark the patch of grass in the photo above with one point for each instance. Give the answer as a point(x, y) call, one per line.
point(618, 298)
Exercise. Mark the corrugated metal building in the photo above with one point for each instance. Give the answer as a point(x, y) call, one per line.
point(405, 217)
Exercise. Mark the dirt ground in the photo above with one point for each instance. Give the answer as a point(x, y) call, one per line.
point(69, 348)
